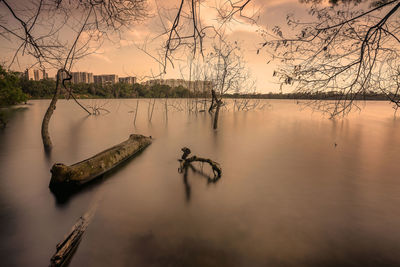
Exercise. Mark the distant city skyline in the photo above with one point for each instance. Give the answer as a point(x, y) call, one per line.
point(89, 77)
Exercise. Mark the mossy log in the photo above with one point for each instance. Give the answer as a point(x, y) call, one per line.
point(86, 170)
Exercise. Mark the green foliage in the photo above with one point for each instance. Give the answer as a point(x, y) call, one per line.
point(38, 89)
point(10, 89)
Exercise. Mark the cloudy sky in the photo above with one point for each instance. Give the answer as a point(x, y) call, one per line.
point(123, 57)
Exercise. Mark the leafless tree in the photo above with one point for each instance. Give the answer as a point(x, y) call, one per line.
point(349, 48)
point(185, 30)
point(57, 33)
point(228, 74)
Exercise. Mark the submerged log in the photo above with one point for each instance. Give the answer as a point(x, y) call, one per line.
point(85, 171)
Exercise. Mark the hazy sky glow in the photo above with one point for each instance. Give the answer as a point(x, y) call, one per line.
point(123, 57)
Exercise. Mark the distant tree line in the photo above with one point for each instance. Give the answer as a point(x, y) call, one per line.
point(45, 89)
point(15, 90)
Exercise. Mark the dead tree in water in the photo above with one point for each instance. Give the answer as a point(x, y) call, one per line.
point(150, 110)
point(60, 74)
point(228, 74)
point(216, 104)
point(136, 111)
point(52, 106)
point(49, 112)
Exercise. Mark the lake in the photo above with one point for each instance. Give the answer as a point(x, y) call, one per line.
point(297, 188)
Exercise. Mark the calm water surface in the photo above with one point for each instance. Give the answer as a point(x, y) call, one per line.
point(288, 196)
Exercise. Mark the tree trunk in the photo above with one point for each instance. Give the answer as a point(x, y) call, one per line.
point(46, 119)
point(218, 106)
point(213, 98)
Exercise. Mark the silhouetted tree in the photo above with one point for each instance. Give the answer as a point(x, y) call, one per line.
point(346, 49)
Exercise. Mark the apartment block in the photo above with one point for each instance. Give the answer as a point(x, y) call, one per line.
point(128, 80)
point(106, 79)
point(82, 77)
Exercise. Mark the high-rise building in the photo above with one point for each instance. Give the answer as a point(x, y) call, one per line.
point(90, 77)
point(106, 79)
point(82, 77)
point(29, 74)
point(128, 80)
point(36, 74)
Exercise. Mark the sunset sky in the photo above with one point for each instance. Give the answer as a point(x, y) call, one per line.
point(125, 59)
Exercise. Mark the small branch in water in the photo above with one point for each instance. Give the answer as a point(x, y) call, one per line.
point(97, 109)
point(152, 109)
point(136, 111)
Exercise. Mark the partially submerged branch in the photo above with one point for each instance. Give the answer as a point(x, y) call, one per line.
point(186, 162)
point(67, 247)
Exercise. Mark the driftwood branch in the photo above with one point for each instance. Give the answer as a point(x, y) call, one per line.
point(187, 162)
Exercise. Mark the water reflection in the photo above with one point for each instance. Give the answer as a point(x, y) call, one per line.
point(210, 179)
point(288, 197)
point(77, 129)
